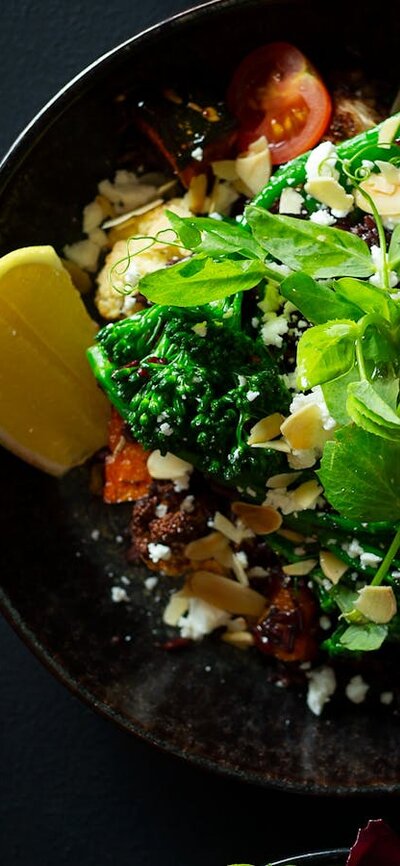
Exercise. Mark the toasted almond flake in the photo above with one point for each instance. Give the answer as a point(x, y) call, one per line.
point(261, 519)
point(300, 568)
point(237, 624)
point(285, 479)
point(377, 603)
point(224, 557)
point(225, 169)
point(206, 547)
point(276, 445)
point(223, 525)
point(240, 639)
point(196, 194)
point(138, 211)
point(254, 167)
point(329, 191)
point(291, 535)
point(306, 495)
point(176, 607)
point(303, 429)
point(225, 593)
point(239, 571)
point(167, 466)
point(266, 429)
point(388, 130)
point(333, 567)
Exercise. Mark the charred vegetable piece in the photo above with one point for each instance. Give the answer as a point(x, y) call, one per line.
point(189, 130)
point(288, 628)
point(126, 475)
point(190, 381)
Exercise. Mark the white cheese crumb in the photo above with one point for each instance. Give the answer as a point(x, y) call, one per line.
point(252, 395)
point(356, 690)
point(395, 574)
point(325, 623)
point(242, 557)
point(182, 483)
point(321, 687)
point(302, 458)
point(255, 322)
point(280, 499)
point(187, 504)
point(150, 583)
point(201, 619)
point(314, 398)
point(95, 534)
point(322, 218)
point(161, 510)
point(377, 278)
point(290, 201)
point(386, 698)
point(129, 304)
point(353, 548)
point(200, 329)
point(118, 594)
point(370, 559)
point(158, 551)
point(273, 330)
point(166, 429)
point(242, 380)
point(257, 571)
point(197, 153)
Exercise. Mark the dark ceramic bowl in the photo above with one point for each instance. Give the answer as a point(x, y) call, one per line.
point(211, 705)
point(320, 858)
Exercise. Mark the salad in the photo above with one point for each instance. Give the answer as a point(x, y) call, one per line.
point(251, 359)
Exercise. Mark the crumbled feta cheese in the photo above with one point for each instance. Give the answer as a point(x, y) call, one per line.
point(322, 218)
point(150, 583)
point(242, 380)
point(395, 574)
point(325, 623)
point(242, 557)
point(252, 395)
point(118, 594)
point(158, 551)
point(370, 559)
point(257, 571)
point(182, 483)
point(200, 329)
point(282, 500)
point(314, 398)
point(197, 153)
point(290, 201)
point(255, 322)
point(95, 534)
point(289, 379)
point(386, 698)
point(356, 690)
point(161, 510)
point(377, 278)
point(166, 429)
point(352, 548)
point(321, 687)
point(128, 191)
point(125, 580)
point(187, 504)
point(129, 304)
point(201, 619)
point(302, 458)
point(273, 330)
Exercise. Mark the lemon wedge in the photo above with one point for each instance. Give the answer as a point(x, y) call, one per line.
point(52, 414)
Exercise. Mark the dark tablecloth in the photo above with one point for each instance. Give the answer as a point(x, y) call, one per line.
point(73, 789)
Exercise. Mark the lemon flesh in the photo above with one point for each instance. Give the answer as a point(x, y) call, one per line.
point(52, 413)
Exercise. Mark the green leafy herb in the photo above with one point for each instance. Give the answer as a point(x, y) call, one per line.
point(335, 395)
point(318, 302)
point(364, 637)
point(201, 280)
point(215, 237)
point(361, 475)
point(367, 408)
point(302, 245)
point(326, 352)
point(369, 298)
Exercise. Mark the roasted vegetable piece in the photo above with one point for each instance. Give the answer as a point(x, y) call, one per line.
point(126, 475)
point(287, 630)
point(189, 131)
point(190, 381)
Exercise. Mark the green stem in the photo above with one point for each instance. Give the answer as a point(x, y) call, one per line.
point(360, 361)
point(384, 270)
point(384, 566)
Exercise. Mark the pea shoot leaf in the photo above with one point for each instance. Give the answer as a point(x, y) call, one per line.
point(302, 245)
point(335, 395)
point(200, 280)
point(369, 298)
point(326, 352)
point(216, 237)
point(360, 473)
point(317, 301)
point(369, 410)
point(365, 637)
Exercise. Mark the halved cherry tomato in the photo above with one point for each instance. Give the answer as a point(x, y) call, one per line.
point(276, 92)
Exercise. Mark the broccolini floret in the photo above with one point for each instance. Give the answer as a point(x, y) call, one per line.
point(192, 381)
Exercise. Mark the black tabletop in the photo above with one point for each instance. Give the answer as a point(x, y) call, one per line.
point(73, 789)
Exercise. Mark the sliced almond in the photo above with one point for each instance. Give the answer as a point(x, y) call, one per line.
point(225, 169)
point(226, 594)
point(291, 535)
point(253, 168)
point(223, 525)
point(377, 603)
point(299, 569)
point(167, 466)
point(333, 567)
point(303, 429)
point(176, 607)
point(388, 130)
point(239, 570)
point(237, 624)
point(328, 191)
point(240, 639)
point(261, 519)
point(138, 211)
point(206, 547)
point(306, 495)
point(285, 479)
point(276, 445)
point(223, 557)
point(290, 201)
point(196, 194)
point(266, 429)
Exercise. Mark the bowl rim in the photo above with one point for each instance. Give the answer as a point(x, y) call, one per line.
point(314, 858)
point(9, 164)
